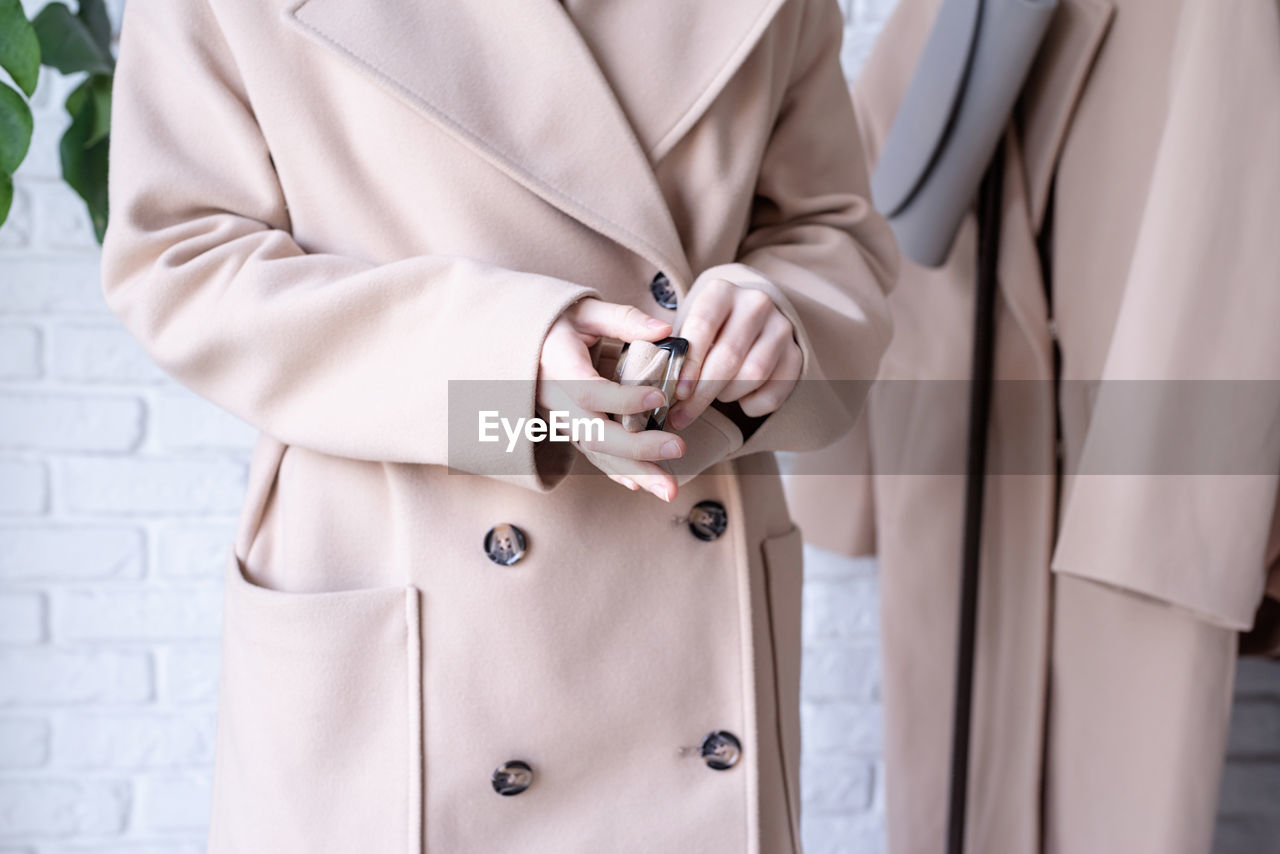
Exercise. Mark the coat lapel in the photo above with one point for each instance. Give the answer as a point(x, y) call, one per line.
point(1053, 88)
point(1045, 108)
point(516, 81)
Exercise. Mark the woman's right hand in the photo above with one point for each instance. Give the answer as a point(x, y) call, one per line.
point(568, 382)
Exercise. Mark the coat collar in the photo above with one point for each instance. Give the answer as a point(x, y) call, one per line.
point(1052, 90)
point(516, 81)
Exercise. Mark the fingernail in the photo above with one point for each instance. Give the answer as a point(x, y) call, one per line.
point(679, 419)
point(627, 482)
point(654, 323)
point(671, 450)
point(684, 388)
point(654, 399)
point(660, 491)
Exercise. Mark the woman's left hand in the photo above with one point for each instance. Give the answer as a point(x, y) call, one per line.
point(741, 347)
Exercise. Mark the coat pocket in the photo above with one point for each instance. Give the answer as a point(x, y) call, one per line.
point(783, 571)
point(319, 729)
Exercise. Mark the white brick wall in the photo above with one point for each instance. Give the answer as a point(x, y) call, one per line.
point(117, 489)
point(118, 494)
point(840, 714)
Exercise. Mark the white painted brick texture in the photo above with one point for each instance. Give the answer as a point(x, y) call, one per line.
point(118, 493)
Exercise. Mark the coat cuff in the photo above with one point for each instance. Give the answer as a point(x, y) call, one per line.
point(1195, 541)
point(536, 465)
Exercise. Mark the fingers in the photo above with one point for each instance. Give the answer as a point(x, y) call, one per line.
point(569, 382)
point(656, 482)
point(616, 320)
point(774, 392)
point(625, 481)
point(751, 310)
point(600, 395)
point(564, 355)
point(701, 326)
point(616, 441)
point(605, 436)
point(761, 360)
point(567, 378)
point(622, 455)
point(635, 475)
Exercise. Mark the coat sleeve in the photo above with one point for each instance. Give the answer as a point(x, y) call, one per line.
point(1180, 499)
point(321, 350)
point(817, 247)
point(831, 493)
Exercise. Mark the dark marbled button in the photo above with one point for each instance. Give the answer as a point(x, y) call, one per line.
point(707, 520)
point(721, 750)
point(512, 777)
point(505, 544)
point(664, 293)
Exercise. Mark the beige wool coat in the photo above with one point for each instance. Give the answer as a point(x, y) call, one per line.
point(351, 224)
point(1157, 124)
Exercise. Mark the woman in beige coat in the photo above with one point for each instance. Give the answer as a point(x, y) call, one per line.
point(1140, 175)
point(357, 226)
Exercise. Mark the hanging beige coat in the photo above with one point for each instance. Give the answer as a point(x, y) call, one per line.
point(322, 215)
point(1161, 123)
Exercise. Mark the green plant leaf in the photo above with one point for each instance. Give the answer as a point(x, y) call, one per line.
point(84, 160)
point(94, 15)
point(6, 196)
point(68, 44)
point(95, 88)
point(19, 47)
point(100, 92)
point(76, 100)
point(15, 129)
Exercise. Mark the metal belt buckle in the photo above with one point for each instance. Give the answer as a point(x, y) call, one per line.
point(664, 380)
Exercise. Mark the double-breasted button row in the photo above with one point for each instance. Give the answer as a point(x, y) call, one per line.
point(506, 544)
point(720, 750)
